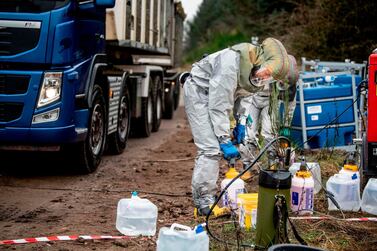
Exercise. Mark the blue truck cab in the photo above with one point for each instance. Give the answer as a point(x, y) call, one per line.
point(54, 94)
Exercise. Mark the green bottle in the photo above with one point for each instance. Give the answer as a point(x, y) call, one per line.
point(269, 180)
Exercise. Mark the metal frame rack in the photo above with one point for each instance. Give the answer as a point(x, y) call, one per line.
point(303, 102)
point(347, 65)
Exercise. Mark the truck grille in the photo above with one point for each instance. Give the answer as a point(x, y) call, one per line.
point(17, 40)
point(10, 111)
point(14, 84)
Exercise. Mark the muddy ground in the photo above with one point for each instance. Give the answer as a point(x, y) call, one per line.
point(39, 197)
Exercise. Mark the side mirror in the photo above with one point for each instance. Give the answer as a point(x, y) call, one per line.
point(105, 3)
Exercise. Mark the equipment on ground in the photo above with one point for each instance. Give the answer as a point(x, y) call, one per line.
point(346, 191)
point(369, 198)
point(136, 216)
point(319, 103)
point(369, 138)
point(238, 187)
point(75, 76)
point(247, 210)
point(302, 190)
point(183, 238)
point(273, 196)
point(315, 171)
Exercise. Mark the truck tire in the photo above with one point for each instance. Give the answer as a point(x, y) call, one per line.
point(177, 93)
point(157, 103)
point(145, 122)
point(118, 140)
point(89, 153)
point(169, 103)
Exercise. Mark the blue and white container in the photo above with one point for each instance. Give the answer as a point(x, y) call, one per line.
point(322, 102)
point(182, 238)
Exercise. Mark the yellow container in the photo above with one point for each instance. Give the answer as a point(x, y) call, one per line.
point(247, 204)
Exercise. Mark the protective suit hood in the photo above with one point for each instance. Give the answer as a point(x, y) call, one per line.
point(292, 75)
point(270, 54)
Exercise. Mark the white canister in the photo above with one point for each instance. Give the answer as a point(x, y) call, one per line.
point(183, 238)
point(346, 191)
point(136, 216)
point(315, 170)
point(369, 200)
point(238, 187)
point(302, 193)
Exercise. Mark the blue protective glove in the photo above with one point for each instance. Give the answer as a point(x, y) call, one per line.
point(239, 133)
point(229, 150)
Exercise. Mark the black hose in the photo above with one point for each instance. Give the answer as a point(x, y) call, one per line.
point(229, 184)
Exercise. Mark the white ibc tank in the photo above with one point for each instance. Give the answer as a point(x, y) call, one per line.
point(369, 200)
point(238, 187)
point(136, 216)
point(315, 170)
point(346, 190)
point(180, 237)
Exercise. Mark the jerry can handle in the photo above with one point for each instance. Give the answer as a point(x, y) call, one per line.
point(177, 225)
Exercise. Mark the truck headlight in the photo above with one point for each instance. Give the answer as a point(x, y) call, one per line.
point(51, 88)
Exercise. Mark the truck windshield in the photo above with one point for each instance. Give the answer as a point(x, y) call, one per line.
point(30, 6)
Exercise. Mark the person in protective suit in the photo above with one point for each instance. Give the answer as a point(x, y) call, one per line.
point(260, 112)
point(209, 93)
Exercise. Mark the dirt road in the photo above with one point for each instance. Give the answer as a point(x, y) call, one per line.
point(47, 200)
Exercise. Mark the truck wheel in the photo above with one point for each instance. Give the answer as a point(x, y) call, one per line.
point(144, 125)
point(169, 103)
point(118, 140)
point(177, 92)
point(157, 103)
point(89, 152)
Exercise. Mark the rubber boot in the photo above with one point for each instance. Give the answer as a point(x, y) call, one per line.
point(216, 212)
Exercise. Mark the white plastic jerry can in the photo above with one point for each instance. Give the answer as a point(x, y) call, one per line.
point(182, 238)
point(136, 216)
point(238, 187)
point(346, 190)
point(369, 200)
